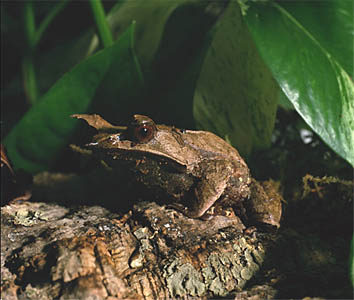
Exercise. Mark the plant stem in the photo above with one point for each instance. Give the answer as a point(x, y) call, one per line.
point(103, 29)
point(30, 26)
point(29, 75)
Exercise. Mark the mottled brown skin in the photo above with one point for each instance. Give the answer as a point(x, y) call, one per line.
point(201, 172)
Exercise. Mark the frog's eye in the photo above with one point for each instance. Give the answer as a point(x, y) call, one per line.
point(143, 133)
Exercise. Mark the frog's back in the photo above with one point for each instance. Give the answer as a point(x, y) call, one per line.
point(211, 143)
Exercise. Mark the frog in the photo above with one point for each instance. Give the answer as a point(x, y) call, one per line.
point(200, 173)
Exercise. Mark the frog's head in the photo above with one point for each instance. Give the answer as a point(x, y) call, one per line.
point(141, 135)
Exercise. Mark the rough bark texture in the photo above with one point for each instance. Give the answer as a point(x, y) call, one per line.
point(51, 250)
point(87, 252)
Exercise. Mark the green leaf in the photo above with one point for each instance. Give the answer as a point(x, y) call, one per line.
point(172, 38)
point(165, 32)
point(236, 94)
point(45, 129)
point(320, 90)
point(179, 58)
point(330, 23)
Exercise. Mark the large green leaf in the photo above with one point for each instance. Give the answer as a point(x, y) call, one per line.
point(179, 58)
point(330, 23)
point(236, 95)
point(319, 88)
point(171, 40)
point(45, 129)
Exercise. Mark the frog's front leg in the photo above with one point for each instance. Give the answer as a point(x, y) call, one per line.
point(214, 179)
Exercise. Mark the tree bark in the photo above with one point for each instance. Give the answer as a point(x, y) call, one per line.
point(55, 251)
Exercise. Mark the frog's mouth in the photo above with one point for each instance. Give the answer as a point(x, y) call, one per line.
point(114, 148)
point(117, 142)
point(107, 139)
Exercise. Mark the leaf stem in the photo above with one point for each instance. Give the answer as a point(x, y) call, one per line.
point(103, 29)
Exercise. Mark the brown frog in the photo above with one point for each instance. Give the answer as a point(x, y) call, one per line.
point(199, 172)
